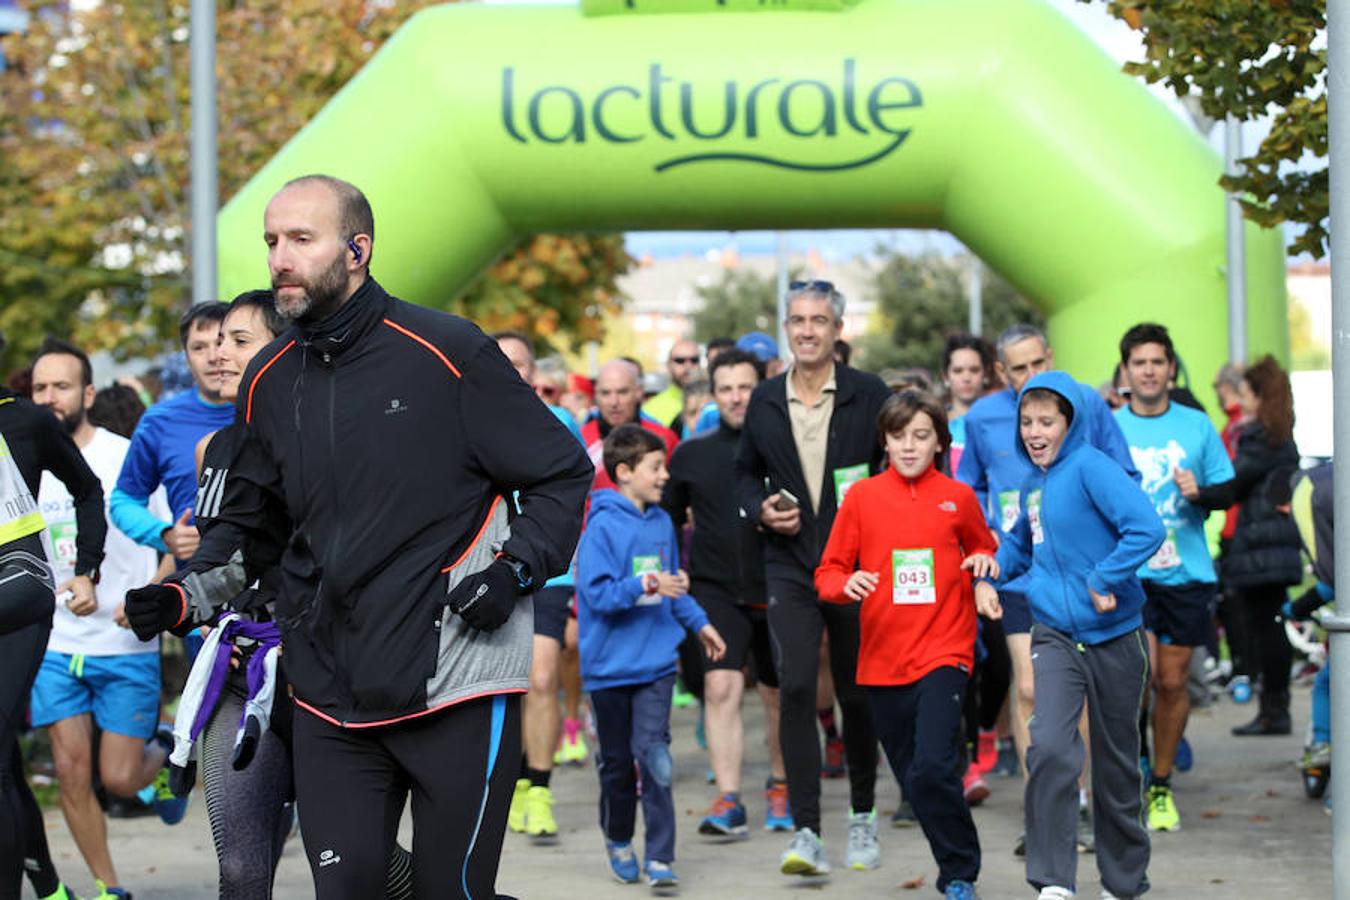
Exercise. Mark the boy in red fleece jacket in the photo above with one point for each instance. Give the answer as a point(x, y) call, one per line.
point(922, 531)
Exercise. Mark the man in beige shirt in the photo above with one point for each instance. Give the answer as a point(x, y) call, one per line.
point(809, 435)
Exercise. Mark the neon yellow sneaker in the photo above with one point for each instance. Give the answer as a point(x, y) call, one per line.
point(573, 751)
point(1162, 809)
point(539, 822)
point(515, 819)
point(65, 893)
point(110, 893)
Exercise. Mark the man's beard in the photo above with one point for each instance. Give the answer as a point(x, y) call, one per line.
point(72, 421)
point(322, 294)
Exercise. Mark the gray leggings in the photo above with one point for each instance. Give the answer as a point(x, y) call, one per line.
point(250, 816)
point(250, 813)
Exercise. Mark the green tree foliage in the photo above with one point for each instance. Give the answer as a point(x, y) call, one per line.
point(922, 299)
point(1251, 58)
point(742, 301)
point(95, 117)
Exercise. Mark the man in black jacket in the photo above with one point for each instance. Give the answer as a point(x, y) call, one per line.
point(810, 434)
point(392, 438)
point(726, 573)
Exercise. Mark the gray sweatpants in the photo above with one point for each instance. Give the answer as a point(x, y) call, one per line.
point(1111, 678)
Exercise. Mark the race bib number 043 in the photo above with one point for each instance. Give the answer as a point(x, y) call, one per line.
point(912, 577)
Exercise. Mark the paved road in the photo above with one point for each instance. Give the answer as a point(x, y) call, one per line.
point(1248, 832)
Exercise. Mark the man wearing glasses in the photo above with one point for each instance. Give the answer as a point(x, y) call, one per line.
point(682, 364)
point(809, 435)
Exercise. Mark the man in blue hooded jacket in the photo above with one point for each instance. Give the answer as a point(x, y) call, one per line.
point(1084, 530)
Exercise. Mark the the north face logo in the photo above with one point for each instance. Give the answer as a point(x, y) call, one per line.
point(395, 406)
point(947, 506)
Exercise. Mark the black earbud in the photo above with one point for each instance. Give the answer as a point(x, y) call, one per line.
point(356, 250)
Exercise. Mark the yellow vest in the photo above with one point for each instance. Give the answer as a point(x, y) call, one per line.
point(19, 514)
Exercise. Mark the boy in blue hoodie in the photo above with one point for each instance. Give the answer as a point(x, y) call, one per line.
point(1084, 530)
point(633, 607)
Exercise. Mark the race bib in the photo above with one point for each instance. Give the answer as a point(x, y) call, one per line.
point(912, 577)
point(647, 565)
point(846, 478)
point(62, 536)
point(1034, 517)
point(1009, 508)
point(1167, 556)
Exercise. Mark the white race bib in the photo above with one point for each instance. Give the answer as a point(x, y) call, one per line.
point(1009, 508)
point(1034, 517)
point(1167, 556)
point(912, 577)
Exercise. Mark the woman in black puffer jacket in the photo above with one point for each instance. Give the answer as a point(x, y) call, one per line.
point(1263, 559)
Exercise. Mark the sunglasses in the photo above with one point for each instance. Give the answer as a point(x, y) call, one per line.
point(547, 391)
point(817, 286)
point(685, 360)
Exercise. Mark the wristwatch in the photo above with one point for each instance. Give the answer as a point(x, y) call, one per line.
point(520, 569)
point(650, 583)
point(91, 574)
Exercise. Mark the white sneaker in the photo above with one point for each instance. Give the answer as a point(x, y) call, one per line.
point(864, 850)
point(1054, 892)
point(805, 855)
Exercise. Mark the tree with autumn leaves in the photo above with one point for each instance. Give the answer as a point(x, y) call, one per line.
point(1249, 59)
point(95, 117)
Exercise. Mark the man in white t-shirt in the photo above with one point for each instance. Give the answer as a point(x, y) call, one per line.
point(96, 671)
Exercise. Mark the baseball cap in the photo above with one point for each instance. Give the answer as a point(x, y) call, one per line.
point(760, 344)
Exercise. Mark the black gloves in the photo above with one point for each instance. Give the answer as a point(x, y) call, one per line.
point(486, 599)
point(155, 608)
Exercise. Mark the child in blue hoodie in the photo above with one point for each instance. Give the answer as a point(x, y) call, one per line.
point(633, 607)
point(1085, 529)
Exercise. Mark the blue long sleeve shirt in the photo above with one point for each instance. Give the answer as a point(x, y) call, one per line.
point(162, 453)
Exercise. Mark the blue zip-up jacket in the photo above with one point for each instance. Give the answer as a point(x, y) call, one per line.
point(162, 452)
point(1084, 523)
point(993, 466)
point(626, 635)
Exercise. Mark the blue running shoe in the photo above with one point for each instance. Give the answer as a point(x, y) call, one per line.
point(778, 813)
point(622, 861)
point(959, 890)
point(171, 809)
point(661, 876)
point(1185, 757)
point(726, 816)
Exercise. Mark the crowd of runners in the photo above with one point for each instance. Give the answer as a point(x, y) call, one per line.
point(416, 569)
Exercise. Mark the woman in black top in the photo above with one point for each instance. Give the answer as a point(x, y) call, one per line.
point(1263, 558)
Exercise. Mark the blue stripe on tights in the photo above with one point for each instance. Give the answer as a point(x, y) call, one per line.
point(494, 746)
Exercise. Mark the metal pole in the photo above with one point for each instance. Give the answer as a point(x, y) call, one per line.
point(1237, 255)
point(976, 296)
point(782, 293)
point(205, 194)
point(1338, 107)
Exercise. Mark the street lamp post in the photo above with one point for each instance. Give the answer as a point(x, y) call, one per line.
point(205, 193)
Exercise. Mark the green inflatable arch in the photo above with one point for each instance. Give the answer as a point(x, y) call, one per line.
point(996, 120)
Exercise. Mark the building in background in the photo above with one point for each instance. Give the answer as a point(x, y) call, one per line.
point(664, 298)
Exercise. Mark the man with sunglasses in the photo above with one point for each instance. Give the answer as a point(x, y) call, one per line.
point(682, 364)
point(809, 435)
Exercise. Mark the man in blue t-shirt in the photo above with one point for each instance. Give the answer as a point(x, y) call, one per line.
point(164, 444)
point(1186, 473)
